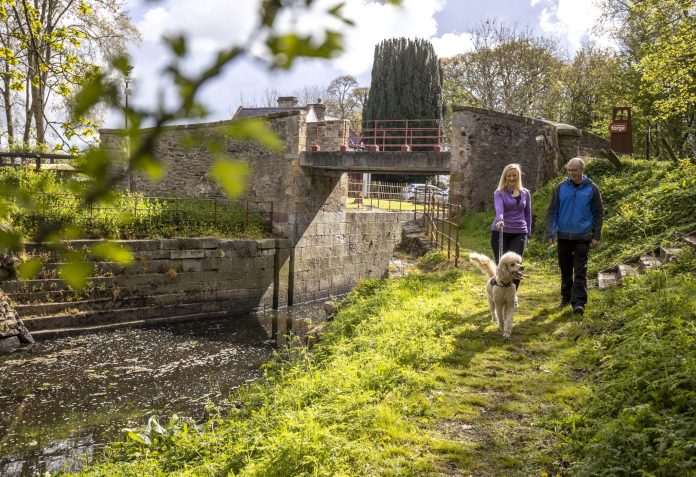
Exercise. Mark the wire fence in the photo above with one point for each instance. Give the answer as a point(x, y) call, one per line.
point(442, 219)
point(38, 160)
point(443, 223)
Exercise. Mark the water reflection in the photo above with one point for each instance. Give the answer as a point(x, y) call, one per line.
point(62, 399)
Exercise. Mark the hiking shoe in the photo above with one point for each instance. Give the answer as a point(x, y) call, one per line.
point(578, 309)
point(564, 303)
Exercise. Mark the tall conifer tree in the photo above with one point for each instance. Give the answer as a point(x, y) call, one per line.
point(406, 84)
point(406, 81)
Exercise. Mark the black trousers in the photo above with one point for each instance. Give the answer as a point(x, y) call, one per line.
point(572, 259)
point(511, 243)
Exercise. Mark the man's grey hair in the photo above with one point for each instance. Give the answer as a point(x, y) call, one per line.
point(576, 161)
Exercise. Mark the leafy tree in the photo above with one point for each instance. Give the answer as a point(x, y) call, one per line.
point(591, 87)
point(658, 44)
point(509, 70)
point(48, 48)
point(340, 99)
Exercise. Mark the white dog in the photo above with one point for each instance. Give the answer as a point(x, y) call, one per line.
point(500, 289)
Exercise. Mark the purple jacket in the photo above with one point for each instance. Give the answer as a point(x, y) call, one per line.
point(517, 217)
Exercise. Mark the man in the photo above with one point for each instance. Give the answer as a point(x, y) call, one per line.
point(575, 216)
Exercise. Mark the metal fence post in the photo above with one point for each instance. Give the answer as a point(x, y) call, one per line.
point(215, 211)
point(271, 219)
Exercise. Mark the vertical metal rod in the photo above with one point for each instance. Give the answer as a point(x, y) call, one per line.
point(215, 211)
point(449, 230)
point(459, 231)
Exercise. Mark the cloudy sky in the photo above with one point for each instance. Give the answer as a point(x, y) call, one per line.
point(211, 24)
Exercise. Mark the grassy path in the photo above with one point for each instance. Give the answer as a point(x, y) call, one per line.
point(496, 401)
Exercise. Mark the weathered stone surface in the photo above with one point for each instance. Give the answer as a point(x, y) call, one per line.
point(483, 142)
point(12, 329)
point(186, 254)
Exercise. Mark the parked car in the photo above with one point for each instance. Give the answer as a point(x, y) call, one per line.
point(419, 192)
point(408, 192)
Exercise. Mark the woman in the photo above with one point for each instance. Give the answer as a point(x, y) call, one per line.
point(513, 214)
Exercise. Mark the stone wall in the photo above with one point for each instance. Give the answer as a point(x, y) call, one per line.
point(170, 280)
point(339, 249)
point(328, 135)
point(186, 158)
point(483, 142)
point(591, 145)
point(199, 278)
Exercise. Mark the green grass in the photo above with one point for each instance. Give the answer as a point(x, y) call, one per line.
point(647, 204)
point(412, 377)
point(38, 205)
point(384, 204)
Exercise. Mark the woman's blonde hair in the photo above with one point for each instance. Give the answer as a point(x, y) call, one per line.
point(508, 168)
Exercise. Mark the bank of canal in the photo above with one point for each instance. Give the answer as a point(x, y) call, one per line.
point(62, 400)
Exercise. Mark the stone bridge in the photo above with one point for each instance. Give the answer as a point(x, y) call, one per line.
point(331, 248)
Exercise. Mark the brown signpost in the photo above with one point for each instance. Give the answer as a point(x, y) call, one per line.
point(621, 132)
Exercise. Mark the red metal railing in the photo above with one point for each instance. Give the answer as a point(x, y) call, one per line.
point(380, 135)
point(400, 134)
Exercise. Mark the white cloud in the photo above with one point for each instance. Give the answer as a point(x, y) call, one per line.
point(451, 44)
point(572, 20)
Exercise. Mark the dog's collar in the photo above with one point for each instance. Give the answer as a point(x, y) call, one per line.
point(500, 284)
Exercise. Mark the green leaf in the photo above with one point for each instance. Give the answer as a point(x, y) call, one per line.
point(155, 426)
point(94, 163)
point(75, 273)
point(9, 239)
point(177, 44)
point(255, 129)
point(90, 94)
point(230, 175)
point(29, 269)
point(152, 167)
point(113, 252)
point(139, 437)
point(287, 48)
point(122, 63)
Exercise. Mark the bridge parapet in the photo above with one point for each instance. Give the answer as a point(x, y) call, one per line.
point(403, 163)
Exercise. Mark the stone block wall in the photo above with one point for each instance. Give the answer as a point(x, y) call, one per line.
point(184, 154)
point(339, 249)
point(328, 135)
point(483, 142)
point(169, 280)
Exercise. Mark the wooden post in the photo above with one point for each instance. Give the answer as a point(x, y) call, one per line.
point(670, 151)
point(613, 158)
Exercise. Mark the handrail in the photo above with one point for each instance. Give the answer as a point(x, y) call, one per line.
point(443, 223)
point(380, 135)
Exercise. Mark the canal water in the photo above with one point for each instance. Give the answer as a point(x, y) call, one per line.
point(62, 400)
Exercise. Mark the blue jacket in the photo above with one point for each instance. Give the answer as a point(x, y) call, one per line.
point(575, 212)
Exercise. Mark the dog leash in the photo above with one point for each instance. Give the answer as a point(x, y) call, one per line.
point(500, 243)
